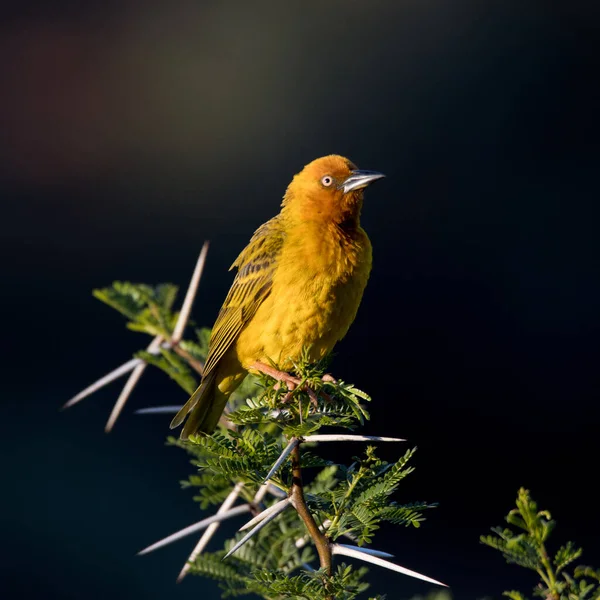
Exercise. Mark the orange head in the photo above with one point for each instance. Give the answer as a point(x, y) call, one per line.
point(329, 189)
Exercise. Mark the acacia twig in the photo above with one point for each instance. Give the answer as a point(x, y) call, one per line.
point(193, 362)
point(299, 503)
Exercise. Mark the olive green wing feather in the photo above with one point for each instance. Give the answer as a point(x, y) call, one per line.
point(256, 266)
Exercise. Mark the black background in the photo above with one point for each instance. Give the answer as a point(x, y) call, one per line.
point(131, 132)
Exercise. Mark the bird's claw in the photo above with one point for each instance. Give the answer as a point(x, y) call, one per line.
point(313, 396)
point(311, 393)
point(291, 382)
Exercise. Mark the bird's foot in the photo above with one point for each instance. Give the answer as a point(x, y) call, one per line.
point(288, 395)
point(283, 377)
point(327, 378)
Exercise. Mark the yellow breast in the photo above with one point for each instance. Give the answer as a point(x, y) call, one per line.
point(317, 288)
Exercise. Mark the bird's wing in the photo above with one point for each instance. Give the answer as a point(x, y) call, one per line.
point(256, 265)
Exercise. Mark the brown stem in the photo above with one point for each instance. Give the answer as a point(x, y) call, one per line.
point(299, 503)
point(193, 362)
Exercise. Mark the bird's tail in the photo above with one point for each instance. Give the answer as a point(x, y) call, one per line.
point(204, 408)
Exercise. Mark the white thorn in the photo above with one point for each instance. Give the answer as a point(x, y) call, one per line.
point(281, 507)
point(275, 491)
point(108, 378)
point(131, 383)
point(334, 437)
point(186, 307)
point(233, 512)
point(210, 530)
point(275, 508)
point(368, 551)
point(286, 452)
point(326, 523)
point(158, 410)
point(261, 492)
point(362, 555)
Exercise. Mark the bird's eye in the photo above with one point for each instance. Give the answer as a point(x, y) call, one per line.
point(327, 180)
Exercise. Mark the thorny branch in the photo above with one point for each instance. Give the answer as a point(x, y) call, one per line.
point(325, 548)
point(137, 366)
point(299, 503)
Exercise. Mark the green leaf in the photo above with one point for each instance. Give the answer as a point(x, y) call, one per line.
point(527, 548)
point(148, 309)
point(513, 595)
point(565, 555)
point(174, 366)
point(127, 298)
point(584, 571)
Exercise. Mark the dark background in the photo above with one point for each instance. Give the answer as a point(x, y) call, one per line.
point(131, 132)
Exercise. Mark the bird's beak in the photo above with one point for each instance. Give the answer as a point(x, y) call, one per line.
point(359, 179)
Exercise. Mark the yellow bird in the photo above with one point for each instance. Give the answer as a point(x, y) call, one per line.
point(299, 283)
